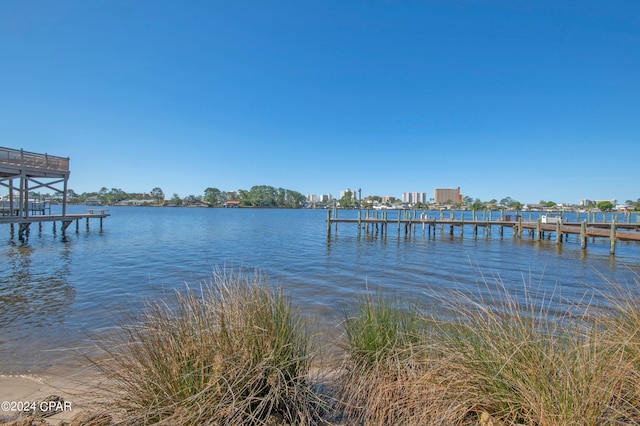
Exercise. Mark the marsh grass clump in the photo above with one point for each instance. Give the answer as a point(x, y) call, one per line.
point(381, 338)
point(232, 353)
point(529, 360)
point(506, 359)
point(619, 320)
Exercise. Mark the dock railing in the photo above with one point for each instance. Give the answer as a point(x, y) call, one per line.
point(23, 158)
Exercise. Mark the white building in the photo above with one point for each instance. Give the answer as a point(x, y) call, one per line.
point(414, 197)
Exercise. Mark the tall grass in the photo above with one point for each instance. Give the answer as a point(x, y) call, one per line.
point(530, 361)
point(382, 337)
point(526, 359)
point(233, 353)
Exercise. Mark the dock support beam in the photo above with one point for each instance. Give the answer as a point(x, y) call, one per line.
point(612, 237)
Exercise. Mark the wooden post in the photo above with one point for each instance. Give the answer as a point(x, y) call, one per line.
point(359, 221)
point(583, 234)
point(328, 222)
point(539, 228)
point(612, 237)
point(519, 226)
point(386, 223)
point(366, 223)
point(558, 232)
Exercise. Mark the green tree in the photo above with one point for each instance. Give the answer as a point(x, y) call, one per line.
point(71, 194)
point(213, 196)
point(294, 199)
point(102, 194)
point(158, 194)
point(605, 206)
point(347, 201)
point(176, 200)
point(116, 195)
point(507, 201)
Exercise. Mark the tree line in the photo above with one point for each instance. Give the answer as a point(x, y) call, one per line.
point(257, 196)
point(269, 196)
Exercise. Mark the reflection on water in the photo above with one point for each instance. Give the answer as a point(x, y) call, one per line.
point(33, 297)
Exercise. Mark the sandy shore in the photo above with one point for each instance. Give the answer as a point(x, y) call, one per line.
point(70, 394)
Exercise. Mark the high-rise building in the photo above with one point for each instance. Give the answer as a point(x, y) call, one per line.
point(344, 192)
point(446, 195)
point(414, 197)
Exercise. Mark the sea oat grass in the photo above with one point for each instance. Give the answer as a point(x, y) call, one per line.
point(507, 359)
point(380, 337)
point(619, 321)
point(233, 353)
point(533, 361)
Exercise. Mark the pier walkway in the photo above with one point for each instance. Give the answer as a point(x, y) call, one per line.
point(65, 220)
point(410, 221)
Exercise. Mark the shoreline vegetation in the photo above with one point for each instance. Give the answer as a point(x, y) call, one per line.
point(265, 196)
point(235, 351)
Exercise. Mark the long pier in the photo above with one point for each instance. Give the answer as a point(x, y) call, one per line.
point(410, 221)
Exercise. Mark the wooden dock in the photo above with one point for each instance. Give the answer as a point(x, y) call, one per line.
point(22, 172)
point(64, 220)
point(409, 221)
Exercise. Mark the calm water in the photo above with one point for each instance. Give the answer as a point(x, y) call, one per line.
point(56, 291)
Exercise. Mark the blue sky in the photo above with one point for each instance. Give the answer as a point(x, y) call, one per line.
point(536, 100)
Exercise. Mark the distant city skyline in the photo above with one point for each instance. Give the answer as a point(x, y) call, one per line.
point(529, 100)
